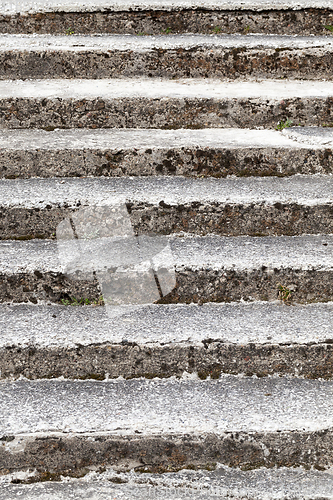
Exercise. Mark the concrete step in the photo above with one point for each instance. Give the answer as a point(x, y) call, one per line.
point(166, 104)
point(170, 57)
point(260, 338)
point(207, 269)
point(223, 483)
point(128, 152)
point(165, 425)
point(138, 17)
point(257, 206)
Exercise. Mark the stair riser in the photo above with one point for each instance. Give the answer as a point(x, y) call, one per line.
point(164, 113)
point(197, 62)
point(129, 361)
point(198, 286)
point(167, 453)
point(185, 161)
point(284, 22)
point(200, 218)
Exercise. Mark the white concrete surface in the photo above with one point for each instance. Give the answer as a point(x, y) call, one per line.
point(154, 88)
point(141, 139)
point(33, 6)
point(237, 323)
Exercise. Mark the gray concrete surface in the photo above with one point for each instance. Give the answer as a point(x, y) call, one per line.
point(174, 56)
point(165, 423)
point(256, 206)
point(166, 340)
point(131, 152)
point(157, 103)
point(224, 483)
point(208, 269)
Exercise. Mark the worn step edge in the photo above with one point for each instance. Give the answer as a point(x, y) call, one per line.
point(174, 56)
point(207, 269)
point(234, 421)
point(44, 6)
point(224, 482)
point(126, 152)
point(303, 18)
point(256, 206)
point(158, 103)
point(162, 341)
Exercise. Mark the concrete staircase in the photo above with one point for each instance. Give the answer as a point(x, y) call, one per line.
point(167, 123)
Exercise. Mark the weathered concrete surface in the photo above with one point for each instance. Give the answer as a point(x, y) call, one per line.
point(165, 424)
point(164, 341)
point(175, 56)
point(33, 208)
point(209, 269)
point(128, 152)
point(224, 482)
point(305, 21)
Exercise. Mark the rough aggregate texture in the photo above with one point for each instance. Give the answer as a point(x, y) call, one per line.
point(305, 21)
point(130, 360)
point(185, 161)
point(201, 218)
point(164, 113)
point(198, 286)
point(195, 62)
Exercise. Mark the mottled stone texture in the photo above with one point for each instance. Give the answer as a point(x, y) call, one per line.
point(200, 218)
point(195, 62)
point(186, 161)
point(198, 286)
point(284, 22)
point(130, 360)
point(164, 113)
point(170, 452)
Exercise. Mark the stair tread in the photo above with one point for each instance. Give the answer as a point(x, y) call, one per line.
point(166, 406)
point(236, 323)
point(154, 88)
point(81, 43)
point(118, 139)
point(310, 190)
point(212, 252)
point(275, 484)
point(27, 6)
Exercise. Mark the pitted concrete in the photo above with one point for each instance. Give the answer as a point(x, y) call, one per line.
point(163, 104)
point(299, 18)
point(166, 340)
point(208, 269)
point(175, 56)
point(165, 424)
point(133, 152)
point(33, 208)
